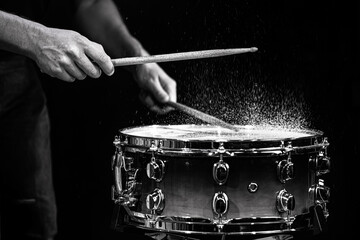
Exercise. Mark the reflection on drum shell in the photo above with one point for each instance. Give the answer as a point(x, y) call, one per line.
point(188, 185)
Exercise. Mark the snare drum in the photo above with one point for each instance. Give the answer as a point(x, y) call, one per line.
point(208, 180)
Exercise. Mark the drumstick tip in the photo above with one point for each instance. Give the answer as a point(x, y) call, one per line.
point(253, 49)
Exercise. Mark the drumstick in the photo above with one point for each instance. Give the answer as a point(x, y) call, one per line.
point(201, 115)
point(181, 56)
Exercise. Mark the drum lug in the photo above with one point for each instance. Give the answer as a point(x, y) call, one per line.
point(220, 172)
point(221, 168)
point(285, 201)
point(285, 168)
point(320, 195)
point(155, 201)
point(220, 204)
point(155, 169)
point(321, 163)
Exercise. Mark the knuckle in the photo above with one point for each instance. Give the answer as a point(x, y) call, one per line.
point(99, 47)
point(55, 71)
point(74, 52)
point(77, 37)
point(63, 60)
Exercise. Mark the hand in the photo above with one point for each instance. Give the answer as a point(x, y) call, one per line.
point(156, 87)
point(68, 55)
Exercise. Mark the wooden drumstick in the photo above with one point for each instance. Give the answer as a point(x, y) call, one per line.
point(201, 115)
point(181, 56)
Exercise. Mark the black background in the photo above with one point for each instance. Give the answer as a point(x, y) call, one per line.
point(306, 48)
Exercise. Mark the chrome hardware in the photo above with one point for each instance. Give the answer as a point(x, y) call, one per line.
point(249, 228)
point(289, 145)
point(321, 163)
point(252, 187)
point(220, 172)
point(126, 188)
point(220, 204)
point(127, 162)
point(155, 169)
point(285, 170)
point(131, 181)
point(325, 143)
point(117, 165)
point(116, 141)
point(155, 201)
point(286, 149)
point(221, 151)
point(285, 201)
point(319, 193)
point(221, 168)
point(153, 148)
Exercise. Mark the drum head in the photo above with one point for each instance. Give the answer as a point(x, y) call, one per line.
point(215, 133)
point(190, 136)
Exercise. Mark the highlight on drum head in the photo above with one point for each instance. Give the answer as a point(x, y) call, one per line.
point(190, 132)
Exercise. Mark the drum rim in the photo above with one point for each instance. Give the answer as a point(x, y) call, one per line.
point(314, 139)
point(314, 133)
point(254, 226)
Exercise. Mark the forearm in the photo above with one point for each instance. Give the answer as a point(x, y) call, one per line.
point(61, 53)
point(100, 20)
point(17, 34)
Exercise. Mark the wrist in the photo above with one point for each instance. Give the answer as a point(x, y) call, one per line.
point(35, 35)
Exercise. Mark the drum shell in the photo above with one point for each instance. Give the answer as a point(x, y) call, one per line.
point(188, 184)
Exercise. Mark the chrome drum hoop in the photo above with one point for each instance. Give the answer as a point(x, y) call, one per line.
point(310, 141)
point(257, 226)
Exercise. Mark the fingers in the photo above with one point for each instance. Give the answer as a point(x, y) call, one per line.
point(64, 70)
point(68, 70)
point(157, 87)
point(65, 76)
point(169, 85)
point(154, 80)
point(148, 101)
point(73, 70)
point(158, 91)
point(96, 52)
point(79, 66)
point(87, 67)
